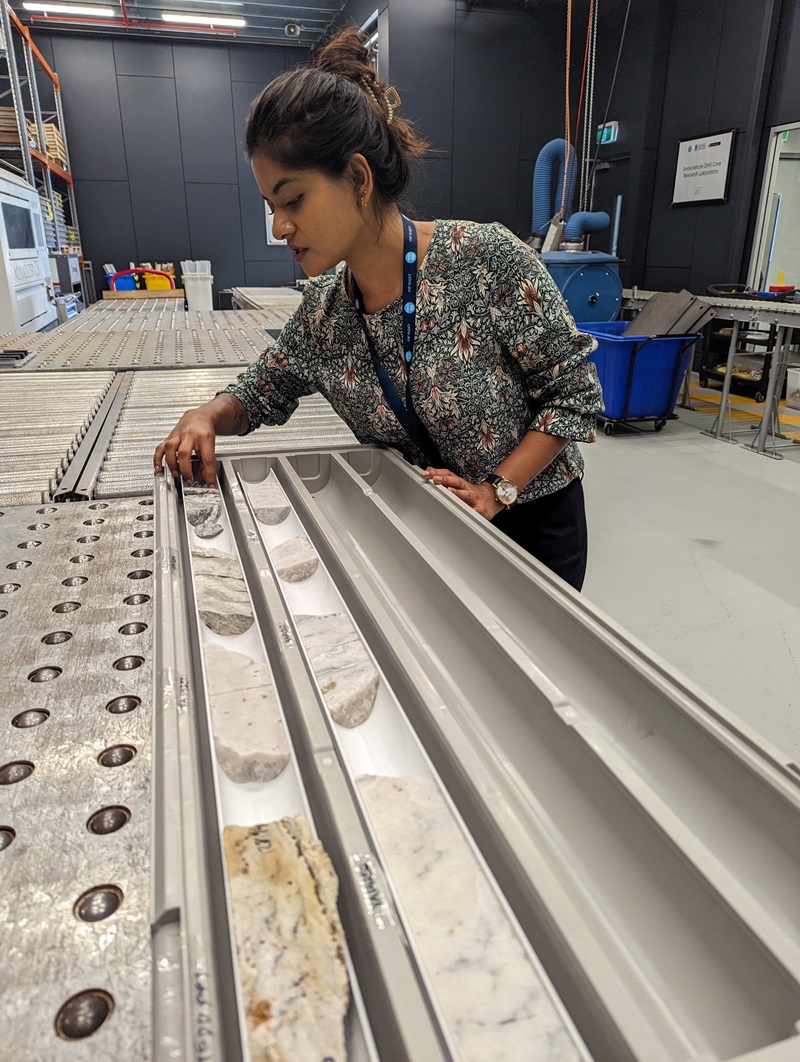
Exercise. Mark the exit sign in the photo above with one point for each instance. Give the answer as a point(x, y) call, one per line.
point(608, 133)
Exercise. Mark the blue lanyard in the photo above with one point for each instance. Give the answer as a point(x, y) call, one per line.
point(406, 414)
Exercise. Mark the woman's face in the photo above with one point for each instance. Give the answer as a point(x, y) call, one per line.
point(318, 216)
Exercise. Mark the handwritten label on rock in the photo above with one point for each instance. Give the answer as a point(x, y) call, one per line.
point(204, 1035)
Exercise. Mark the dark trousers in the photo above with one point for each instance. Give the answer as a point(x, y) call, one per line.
point(552, 529)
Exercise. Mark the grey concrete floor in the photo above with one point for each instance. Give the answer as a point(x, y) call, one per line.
point(695, 549)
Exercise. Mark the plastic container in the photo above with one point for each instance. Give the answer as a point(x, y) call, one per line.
point(793, 387)
point(198, 289)
point(123, 283)
point(653, 368)
point(154, 282)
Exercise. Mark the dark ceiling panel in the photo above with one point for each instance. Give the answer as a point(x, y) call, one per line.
point(300, 22)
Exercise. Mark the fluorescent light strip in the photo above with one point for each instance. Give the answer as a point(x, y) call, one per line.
point(203, 20)
point(72, 9)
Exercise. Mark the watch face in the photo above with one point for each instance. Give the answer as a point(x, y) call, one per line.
point(506, 492)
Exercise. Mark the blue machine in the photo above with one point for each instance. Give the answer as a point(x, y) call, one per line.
point(589, 282)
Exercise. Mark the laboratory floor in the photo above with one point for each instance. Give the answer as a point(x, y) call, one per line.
point(694, 548)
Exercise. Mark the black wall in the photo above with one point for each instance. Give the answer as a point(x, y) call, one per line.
point(485, 82)
point(155, 127)
point(155, 137)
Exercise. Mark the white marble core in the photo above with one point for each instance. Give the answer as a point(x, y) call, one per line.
point(295, 559)
point(289, 942)
point(222, 598)
point(249, 735)
point(494, 1003)
point(268, 500)
point(203, 506)
point(342, 666)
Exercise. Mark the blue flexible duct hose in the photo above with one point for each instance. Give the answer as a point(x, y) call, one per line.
point(585, 221)
point(543, 205)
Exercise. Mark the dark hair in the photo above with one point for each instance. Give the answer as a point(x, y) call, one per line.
point(319, 117)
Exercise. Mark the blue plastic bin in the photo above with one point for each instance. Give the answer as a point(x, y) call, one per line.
point(653, 367)
point(123, 283)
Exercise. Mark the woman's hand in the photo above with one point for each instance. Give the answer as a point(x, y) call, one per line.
point(478, 496)
point(195, 433)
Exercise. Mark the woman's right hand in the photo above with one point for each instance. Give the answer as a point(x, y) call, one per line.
point(195, 433)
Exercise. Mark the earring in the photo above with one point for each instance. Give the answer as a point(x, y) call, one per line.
point(364, 201)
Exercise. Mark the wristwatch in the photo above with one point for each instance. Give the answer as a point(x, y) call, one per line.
point(505, 490)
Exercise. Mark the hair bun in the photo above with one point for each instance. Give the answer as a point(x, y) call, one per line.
point(346, 56)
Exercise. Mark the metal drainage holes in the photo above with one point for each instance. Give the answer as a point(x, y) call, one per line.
point(47, 509)
point(15, 771)
point(140, 573)
point(32, 717)
point(44, 674)
point(57, 637)
point(7, 835)
point(142, 553)
point(98, 903)
point(15, 566)
point(8, 588)
point(128, 663)
point(145, 516)
point(120, 705)
point(3, 613)
point(136, 599)
point(75, 580)
point(82, 558)
point(99, 505)
point(95, 520)
point(146, 501)
point(108, 820)
point(32, 544)
point(67, 606)
point(116, 755)
point(89, 538)
point(84, 1014)
point(143, 534)
point(38, 527)
point(132, 628)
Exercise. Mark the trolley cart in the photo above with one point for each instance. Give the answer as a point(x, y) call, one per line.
point(640, 375)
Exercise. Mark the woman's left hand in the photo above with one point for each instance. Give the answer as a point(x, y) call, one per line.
point(478, 496)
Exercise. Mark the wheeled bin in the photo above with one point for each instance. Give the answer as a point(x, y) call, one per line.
point(640, 375)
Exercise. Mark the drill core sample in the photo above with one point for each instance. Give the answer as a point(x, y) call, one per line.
point(222, 598)
point(249, 736)
point(289, 942)
point(342, 666)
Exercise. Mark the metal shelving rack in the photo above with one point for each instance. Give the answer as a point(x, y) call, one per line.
point(37, 167)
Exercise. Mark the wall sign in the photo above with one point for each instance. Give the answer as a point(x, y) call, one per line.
point(703, 169)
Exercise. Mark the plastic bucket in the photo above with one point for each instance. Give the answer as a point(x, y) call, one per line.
point(199, 291)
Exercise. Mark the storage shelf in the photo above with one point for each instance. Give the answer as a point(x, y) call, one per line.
point(65, 175)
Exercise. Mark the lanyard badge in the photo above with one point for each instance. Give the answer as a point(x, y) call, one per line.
point(406, 414)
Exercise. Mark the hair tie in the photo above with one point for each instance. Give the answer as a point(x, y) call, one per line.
point(391, 98)
point(393, 101)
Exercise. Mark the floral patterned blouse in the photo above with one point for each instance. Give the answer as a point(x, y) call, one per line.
point(496, 355)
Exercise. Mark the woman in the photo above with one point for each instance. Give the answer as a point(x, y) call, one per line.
point(472, 368)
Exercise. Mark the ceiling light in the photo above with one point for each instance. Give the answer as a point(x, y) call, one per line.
point(72, 9)
point(203, 20)
point(292, 29)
